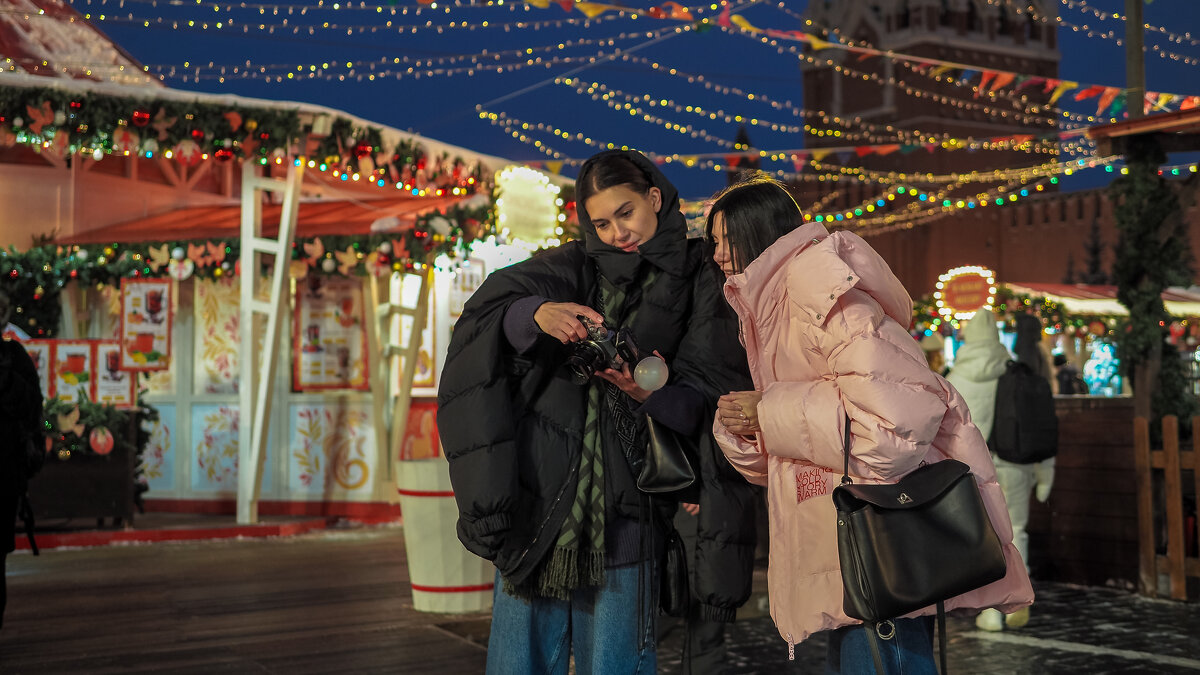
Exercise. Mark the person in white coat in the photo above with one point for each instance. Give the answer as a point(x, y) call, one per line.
point(978, 365)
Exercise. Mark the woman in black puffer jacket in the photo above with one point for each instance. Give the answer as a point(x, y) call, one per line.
point(544, 469)
point(21, 452)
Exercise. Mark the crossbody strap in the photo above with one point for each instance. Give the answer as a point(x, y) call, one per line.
point(846, 453)
point(872, 628)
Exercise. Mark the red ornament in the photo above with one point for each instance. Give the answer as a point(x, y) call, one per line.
point(140, 118)
point(362, 149)
point(101, 440)
point(198, 134)
point(223, 155)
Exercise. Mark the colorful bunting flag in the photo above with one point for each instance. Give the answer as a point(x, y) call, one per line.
point(1061, 89)
point(983, 81)
point(1002, 80)
point(592, 9)
point(1106, 99)
point(1084, 94)
point(745, 25)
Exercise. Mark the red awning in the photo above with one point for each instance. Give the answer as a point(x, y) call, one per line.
point(327, 217)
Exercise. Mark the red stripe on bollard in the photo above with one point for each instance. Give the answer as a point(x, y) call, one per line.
point(426, 493)
point(453, 589)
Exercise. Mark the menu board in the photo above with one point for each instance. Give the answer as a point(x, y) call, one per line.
point(73, 375)
point(113, 386)
point(145, 324)
point(329, 335)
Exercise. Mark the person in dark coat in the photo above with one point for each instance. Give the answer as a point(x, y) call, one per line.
point(544, 469)
point(1070, 382)
point(21, 450)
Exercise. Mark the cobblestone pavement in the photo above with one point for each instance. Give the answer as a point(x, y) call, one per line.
point(1072, 629)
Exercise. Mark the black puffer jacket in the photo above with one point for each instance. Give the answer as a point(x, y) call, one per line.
point(512, 424)
point(22, 449)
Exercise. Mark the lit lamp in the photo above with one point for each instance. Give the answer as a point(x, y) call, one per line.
point(526, 208)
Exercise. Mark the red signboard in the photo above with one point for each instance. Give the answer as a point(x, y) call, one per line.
point(966, 292)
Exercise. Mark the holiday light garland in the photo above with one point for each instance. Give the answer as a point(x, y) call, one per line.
point(37, 275)
point(1100, 14)
point(956, 74)
point(328, 68)
point(286, 27)
point(96, 124)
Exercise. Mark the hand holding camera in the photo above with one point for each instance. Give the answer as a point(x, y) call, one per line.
point(611, 355)
point(561, 320)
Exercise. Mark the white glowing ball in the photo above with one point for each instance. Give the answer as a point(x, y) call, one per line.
point(651, 373)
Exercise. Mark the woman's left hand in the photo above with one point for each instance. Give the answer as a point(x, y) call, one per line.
point(623, 378)
point(738, 411)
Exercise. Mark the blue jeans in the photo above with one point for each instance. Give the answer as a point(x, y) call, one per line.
point(910, 652)
point(600, 624)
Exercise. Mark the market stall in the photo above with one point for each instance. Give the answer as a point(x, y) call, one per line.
point(1081, 321)
point(1088, 531)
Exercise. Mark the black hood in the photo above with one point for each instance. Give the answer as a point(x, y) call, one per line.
point(1029, 336)
point(667, 249)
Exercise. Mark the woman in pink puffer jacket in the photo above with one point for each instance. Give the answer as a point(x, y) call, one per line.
point(824, 320)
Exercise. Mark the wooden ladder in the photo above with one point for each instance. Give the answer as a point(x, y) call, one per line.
point(257, 364)
point(401, 303)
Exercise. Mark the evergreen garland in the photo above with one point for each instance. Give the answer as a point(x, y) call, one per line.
point(1153, 254)
point(35, 278)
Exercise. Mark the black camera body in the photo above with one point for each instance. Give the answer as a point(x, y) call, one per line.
point(603, 349)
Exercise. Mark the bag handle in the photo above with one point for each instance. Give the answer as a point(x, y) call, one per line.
point(846, 453)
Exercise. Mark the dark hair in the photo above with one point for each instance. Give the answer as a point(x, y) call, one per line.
point(757, 213)
point(1060, 359)
point(608, 171)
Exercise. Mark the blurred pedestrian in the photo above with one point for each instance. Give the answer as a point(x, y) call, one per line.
point(1070, 383)
point(1020, 482)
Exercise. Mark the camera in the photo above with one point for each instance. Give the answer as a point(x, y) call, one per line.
point(603, 349)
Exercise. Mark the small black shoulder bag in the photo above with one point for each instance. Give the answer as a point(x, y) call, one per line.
point(907, 545)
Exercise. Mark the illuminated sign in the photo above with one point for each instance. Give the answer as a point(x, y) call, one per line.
point(965, 290)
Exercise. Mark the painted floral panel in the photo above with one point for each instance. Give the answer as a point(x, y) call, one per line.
point(217, 336)
point(158, 461)
point(333, 449)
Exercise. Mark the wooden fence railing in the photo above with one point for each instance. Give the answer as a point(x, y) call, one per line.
point(1162, 521)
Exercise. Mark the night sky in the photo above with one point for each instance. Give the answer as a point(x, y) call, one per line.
point(443, 107)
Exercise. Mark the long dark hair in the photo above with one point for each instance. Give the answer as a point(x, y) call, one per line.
point(757, 213)
point(608, 170)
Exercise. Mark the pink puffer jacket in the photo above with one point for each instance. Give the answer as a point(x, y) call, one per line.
point(824, 322)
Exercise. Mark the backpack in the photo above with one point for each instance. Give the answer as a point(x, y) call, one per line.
point(1025, 430)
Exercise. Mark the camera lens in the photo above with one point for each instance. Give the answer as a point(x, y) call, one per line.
point(584, 361)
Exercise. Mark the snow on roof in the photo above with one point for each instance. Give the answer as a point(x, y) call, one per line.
point(1101, 299)
point(50, 39)
point(80, 58)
